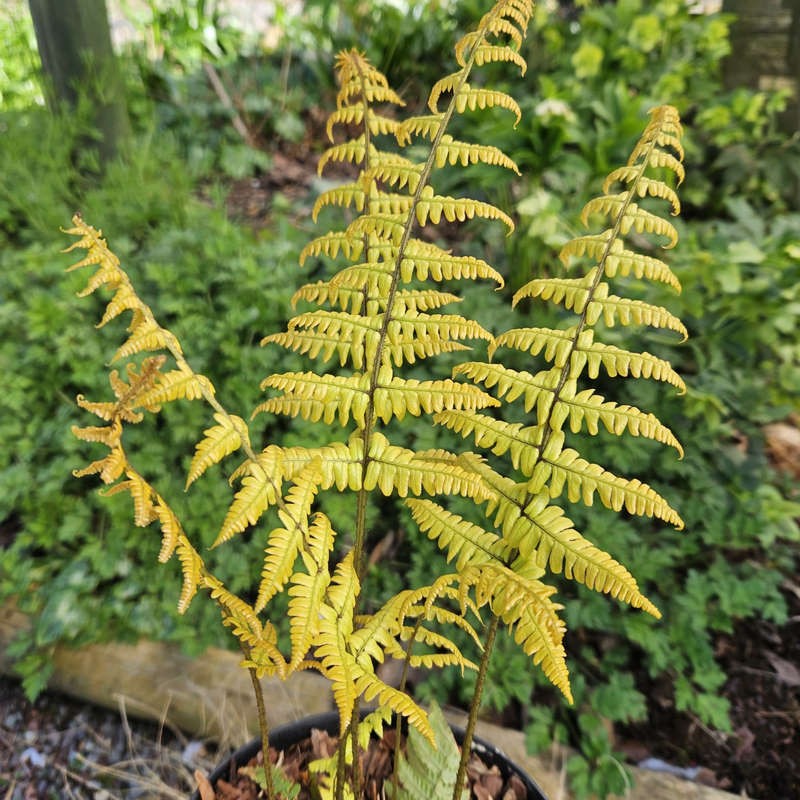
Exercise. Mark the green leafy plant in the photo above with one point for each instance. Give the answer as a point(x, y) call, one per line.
point(370, 322)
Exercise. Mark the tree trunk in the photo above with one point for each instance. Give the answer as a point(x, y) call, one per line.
point(74, 42)
point(765, 41)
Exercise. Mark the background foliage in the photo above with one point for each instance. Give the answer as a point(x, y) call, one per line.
point(222, 284)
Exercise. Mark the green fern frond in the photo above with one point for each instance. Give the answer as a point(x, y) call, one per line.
point(429, 767)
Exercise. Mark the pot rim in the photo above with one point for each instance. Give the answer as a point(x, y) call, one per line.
point(292, 732)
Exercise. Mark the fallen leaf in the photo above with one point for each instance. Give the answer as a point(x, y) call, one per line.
point(204, 786)
point(786, 671)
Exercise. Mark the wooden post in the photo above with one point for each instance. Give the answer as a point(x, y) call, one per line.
point(74, 43)
point(765, 42)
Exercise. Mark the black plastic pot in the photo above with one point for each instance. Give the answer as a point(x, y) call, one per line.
point(286, 735)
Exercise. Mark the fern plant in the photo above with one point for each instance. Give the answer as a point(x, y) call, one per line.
point(378, 312)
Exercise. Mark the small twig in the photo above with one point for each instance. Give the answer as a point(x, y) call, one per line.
point(225, 99)
point(152, 784)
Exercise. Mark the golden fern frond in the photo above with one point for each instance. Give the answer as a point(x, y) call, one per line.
point(616, 361)
point(318, 397)
point(461, 540)
point(408, 301)
point(395, 170)
point(109, 468)
point(586, 408)
point(260, 489)
point(496, 435)
point(146, 336)
point(325, 293)
point(178, 384)
point(353, 151)
point(307, 593)
point(556, 345)
point(433, 207)
point(428, 661)
point(340, 462)
point(450, 83)
point(109, 435)
point(613, 308)
point(572, 293)
point(394, 469)
point(526, 608)
point(258, 642)
point(492, 53)
point(389, 228)
point(400, 396)
point(143, 495)
point(643, 186)
point(544, 534)
point(358, 78)
point(450, 151)
point(192, 568)
point(423, 260)
point(350, 194)
point(512, 384)
point(470, 98)
point(171, 529)
point(284, 544)
point(427, 126)
point(330, 244)
point(218, 441)
point(630, 216)
point(335, 626)
point(618, 260)
point(583, 479)
point(322, 345)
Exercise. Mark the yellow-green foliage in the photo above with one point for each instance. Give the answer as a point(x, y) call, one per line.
point(377, 312)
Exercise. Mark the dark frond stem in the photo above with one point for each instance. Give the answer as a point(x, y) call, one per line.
point(398, 726)
point(474, 707)
point(263, 726)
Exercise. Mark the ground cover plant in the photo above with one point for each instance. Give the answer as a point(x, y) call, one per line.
point(738, 263)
